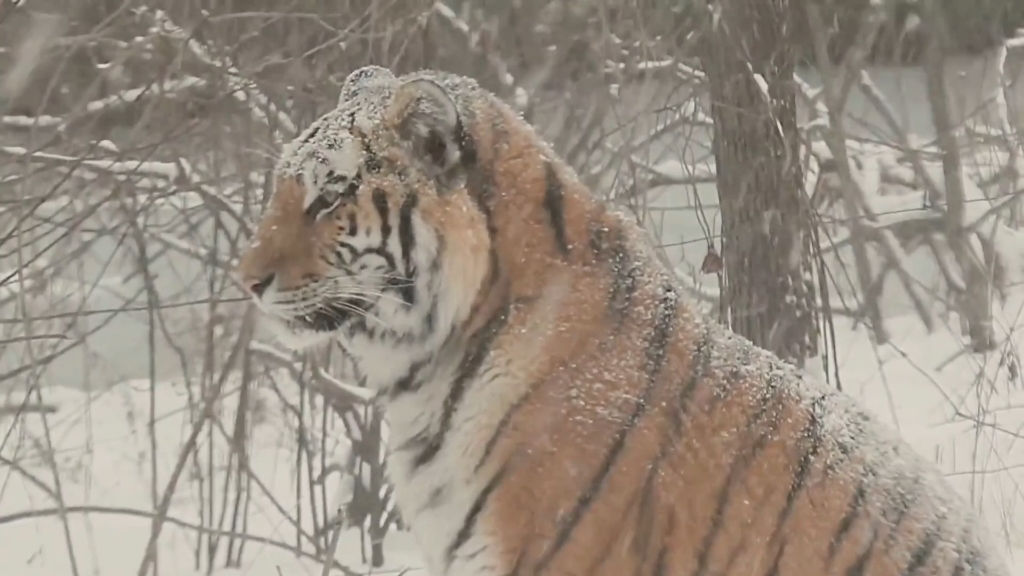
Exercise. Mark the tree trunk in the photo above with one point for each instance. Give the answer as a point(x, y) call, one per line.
point(768, 288)
point(974, 303)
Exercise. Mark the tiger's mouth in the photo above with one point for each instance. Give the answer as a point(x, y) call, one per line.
point(331, 316)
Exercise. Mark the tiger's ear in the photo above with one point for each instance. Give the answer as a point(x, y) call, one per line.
point(426, 117)
point(361, 78)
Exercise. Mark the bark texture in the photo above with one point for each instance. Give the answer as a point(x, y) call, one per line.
point(768, 287)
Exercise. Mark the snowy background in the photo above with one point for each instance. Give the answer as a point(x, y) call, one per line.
point(156, 420)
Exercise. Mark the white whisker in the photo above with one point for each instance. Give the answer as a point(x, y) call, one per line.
point(368, 296)
point(366, 280)
point(355, 310)
point(371, 276)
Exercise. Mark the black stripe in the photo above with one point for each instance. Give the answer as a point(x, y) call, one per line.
point(466, 530)
point(615, 535)
point(659, 564)
point(353, 187)
point(415, 441)
point(846, 523)
point(404, 286)
point(660, 567)
point(479, 181)
point(353, 224)
point(611, 246)
point(738, 377)
point(480, 184)
point(735, 555)
point(717, 517)
point(480, 178)
point(438, 497)
point(467, 146)
point(701, 362)
point(860, 565)
point(736, 471)
point(774, 569)
point(407, 242)
point(598, 237)
point(429, 322)
point(657, 347)
point(323, 203)
point(554, 205)
point(370, 159)
point(640, 542)
point(647, 508)
point(723, 388)
point(389, 260)
point(316, 207)
point(478, 350)
point(701, 358)
point(810, 443)
point(341, 248)
point(656, 352)
point(385, 254)
point(922, 553)
point(856, 428)
point(765, 432)
point(406, 234)
point(500, 428)
point(409, 382)
point(333, 178)
point(901, 500)
point(380, 202)
point(625, 279)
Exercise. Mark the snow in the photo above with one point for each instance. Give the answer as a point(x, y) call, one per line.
point(922, 384)
point(101, 448)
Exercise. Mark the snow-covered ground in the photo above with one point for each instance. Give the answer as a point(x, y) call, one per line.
point(922, 383)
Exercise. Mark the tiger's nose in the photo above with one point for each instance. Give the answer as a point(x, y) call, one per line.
point(258, 287)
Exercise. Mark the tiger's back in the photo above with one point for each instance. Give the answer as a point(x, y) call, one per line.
point(556, 405)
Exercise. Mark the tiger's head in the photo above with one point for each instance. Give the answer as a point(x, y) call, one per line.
point(357, 243)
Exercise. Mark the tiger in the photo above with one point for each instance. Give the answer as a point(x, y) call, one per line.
point(556, 404)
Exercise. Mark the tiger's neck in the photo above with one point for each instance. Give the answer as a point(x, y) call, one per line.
point(444, 418)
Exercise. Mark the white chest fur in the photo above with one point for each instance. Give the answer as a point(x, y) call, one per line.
point(437, 497)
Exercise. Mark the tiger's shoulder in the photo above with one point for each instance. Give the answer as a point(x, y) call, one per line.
point(635, 415)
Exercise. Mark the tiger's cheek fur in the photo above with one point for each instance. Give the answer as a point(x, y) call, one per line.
point(464, 247)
